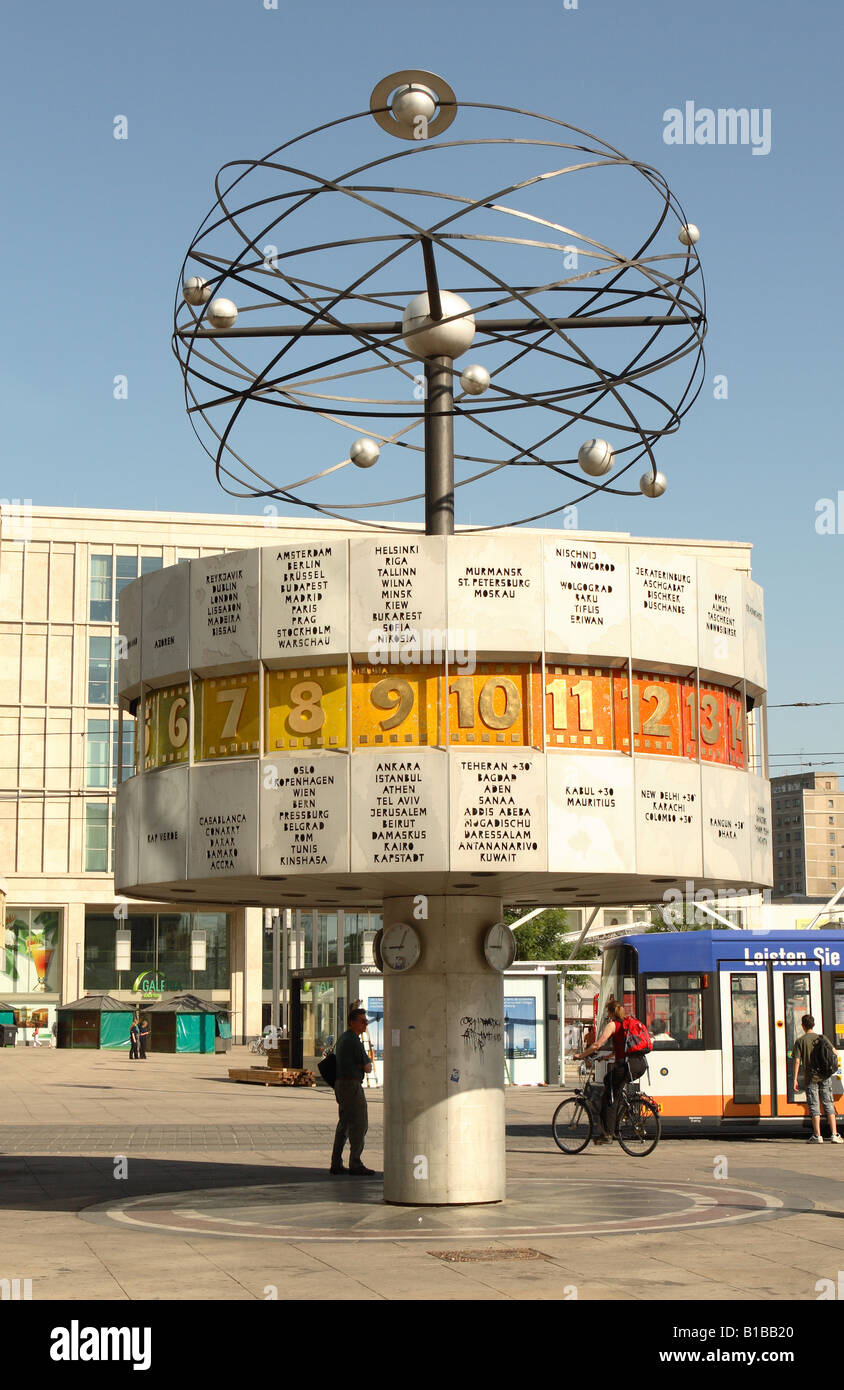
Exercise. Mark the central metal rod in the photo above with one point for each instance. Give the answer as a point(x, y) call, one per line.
point(439, 447)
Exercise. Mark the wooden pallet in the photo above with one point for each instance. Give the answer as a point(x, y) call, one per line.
point(273, 1076)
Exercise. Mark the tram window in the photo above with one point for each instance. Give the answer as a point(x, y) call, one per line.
point(674, 1012)
point(744, 1001)
point(797, 1003)
point(618, 978)
point(838, 1006)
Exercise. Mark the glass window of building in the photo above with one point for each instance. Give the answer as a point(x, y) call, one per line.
point(126, 571)
point(99, 608)
point(359, 929)
point(99, 671)
point(326, 953)
point(30, 961)
point(97, 753)
point(149, 563)
point(160, 952)
point(96, 837)
point(102, 751)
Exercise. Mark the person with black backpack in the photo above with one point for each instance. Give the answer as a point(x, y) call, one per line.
point(819, 1060)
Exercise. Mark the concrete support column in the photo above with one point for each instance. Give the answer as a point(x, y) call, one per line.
point(73, 953)
point(444, 1059)
point(246, 973)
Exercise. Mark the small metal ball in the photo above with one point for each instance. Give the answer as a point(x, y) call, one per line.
point(196, 290)
point(474, 380)
point(412, 102)
point(689, 234)
point(653, 485)
point(364, 452)
point(222, 313)
point(595, 457)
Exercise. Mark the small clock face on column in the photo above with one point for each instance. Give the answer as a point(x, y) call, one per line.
point(500, 946)
point(400, 946)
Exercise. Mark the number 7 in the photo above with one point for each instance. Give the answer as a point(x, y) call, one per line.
point(236, 698)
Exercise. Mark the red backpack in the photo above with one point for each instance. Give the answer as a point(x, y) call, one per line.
point(636, 1037)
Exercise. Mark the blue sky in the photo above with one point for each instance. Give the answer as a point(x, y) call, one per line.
point(95, 229)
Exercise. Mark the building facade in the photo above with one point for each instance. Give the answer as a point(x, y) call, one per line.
point(61, 756)
point(808, 835)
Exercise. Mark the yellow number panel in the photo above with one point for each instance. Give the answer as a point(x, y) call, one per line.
point(498, 705)
point(578, 707)
point(147, 725)
point(397, 706)
point(172, 741)
point(306, 708)
point(229, 721)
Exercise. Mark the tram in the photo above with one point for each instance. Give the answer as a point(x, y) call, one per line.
point(724, 1009)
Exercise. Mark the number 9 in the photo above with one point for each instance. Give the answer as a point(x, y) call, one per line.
point(393, 693)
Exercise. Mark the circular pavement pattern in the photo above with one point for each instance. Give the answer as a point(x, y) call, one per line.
point(345, 1209)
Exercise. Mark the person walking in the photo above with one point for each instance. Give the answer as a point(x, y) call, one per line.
point(352, 1066)
point(134, 1038)
point(143, 1039)
point(818, 1088)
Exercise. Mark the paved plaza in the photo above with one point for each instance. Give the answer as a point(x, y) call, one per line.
point(163, 1180)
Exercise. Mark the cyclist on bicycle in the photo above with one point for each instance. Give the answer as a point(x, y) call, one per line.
point(629, 1066)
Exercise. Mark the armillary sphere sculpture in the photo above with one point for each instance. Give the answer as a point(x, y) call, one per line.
point(321, 293)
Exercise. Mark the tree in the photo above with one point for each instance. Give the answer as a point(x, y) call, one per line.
point(542, 938)
point(674, 917)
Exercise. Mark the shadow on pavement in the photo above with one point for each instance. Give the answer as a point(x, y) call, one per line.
point(44, 1182)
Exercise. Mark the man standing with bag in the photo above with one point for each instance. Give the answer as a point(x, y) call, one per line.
point(352, 1065)
point(819, 1066)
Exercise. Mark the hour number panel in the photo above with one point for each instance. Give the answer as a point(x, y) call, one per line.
point(229, 716)
point(578, 708)
point(655, 714)
point(497, 705)
point(172, 743)
point(307, 708)
point(397, 706)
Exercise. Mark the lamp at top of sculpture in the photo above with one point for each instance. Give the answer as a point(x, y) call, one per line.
point(474, 380)
point(595, 457)
point(222, 313)
point(364, 452)
point(689, 234)
point(196, 290)
point(413, 103)
point(447, 337)
point(653, 485)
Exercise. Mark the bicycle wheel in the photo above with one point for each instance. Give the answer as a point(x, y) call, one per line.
point(639, 1127)
point(572, 1125)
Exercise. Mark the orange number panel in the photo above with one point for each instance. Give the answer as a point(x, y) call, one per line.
point(307, 708)
point(171, 744)
point(397, 706)
point(498, 705)
point(688, 705)
point(713, 723)
point(736, 730)
point(229, 716)
point(656, 713)
point(578, 707)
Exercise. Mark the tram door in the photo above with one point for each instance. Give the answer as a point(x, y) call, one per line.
point(795, 990)
point(745, 1039)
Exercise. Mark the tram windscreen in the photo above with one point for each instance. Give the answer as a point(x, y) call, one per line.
point(618, 979)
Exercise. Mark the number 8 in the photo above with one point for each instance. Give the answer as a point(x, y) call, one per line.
point(306, 716)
